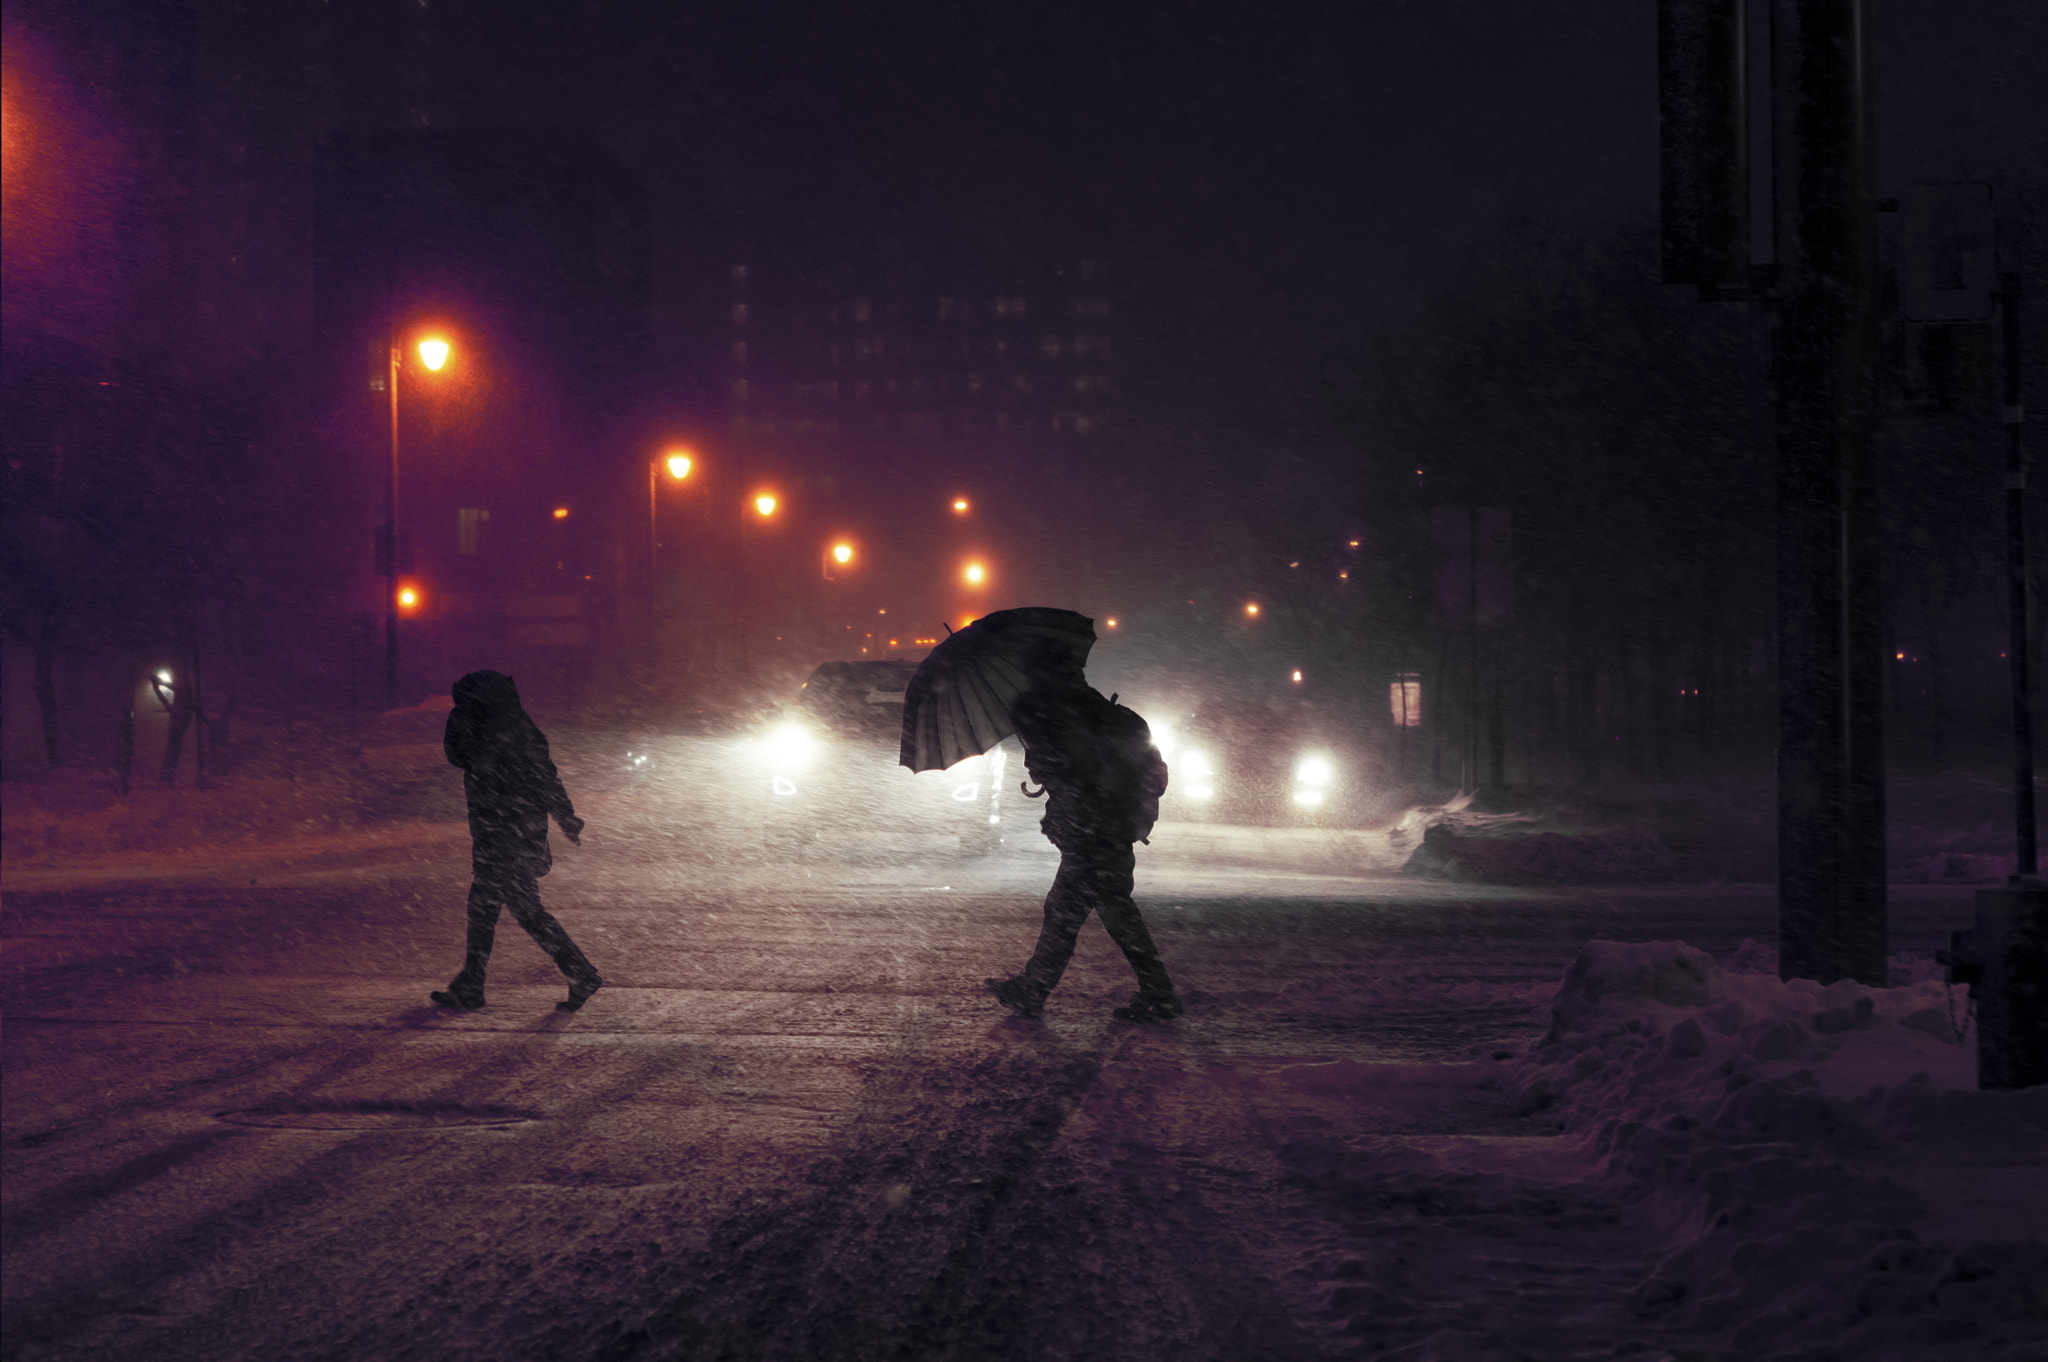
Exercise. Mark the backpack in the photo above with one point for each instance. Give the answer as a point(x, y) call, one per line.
point(1130, 771)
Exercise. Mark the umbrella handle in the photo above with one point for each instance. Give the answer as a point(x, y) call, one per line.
point(1025, 787)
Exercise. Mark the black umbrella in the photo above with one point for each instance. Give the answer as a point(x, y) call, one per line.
point(958, 704)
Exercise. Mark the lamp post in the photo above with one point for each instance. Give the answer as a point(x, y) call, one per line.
point(433, 354)
point(678, 462)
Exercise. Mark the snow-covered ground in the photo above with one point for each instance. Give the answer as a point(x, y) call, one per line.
point(1767, 1127)
point(1650, 1154)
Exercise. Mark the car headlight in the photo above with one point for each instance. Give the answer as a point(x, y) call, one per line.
point(1313, 776)
point(1198, 776)
point(790, 747)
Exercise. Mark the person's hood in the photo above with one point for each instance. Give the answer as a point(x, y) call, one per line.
point(487, 695)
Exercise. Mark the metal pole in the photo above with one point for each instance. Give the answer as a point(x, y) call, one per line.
point(1831, 793)
point(2017, 583)
point(653, 581)
point(391, 546)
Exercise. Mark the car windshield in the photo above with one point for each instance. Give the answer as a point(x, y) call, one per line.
point(859, 699)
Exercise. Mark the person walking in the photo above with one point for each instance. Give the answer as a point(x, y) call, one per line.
point(511, 786)
point(1101, 778)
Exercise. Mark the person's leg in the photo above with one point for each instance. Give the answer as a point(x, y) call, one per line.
point(1066, 908)
point(553, 938)
point(1111, 875)
point(466, 989)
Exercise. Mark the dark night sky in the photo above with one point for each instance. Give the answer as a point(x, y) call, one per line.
point(1289, 184)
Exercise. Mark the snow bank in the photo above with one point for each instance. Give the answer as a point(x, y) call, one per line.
point(1767, 1127)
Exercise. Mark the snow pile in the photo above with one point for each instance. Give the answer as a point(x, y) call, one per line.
point(1766, 1127)
point(73, 822)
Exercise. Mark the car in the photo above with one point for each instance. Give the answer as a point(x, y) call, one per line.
point(829, 764)
point(1272, 766)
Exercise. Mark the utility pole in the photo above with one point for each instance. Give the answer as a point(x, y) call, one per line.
point(1831, 789)
point(1821, 294)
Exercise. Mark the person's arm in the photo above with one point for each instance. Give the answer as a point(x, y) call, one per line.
point(553, 797)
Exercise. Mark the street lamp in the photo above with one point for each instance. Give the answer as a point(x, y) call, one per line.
point(837, 555)
point(974, 574)
point(764, 505)
point(434, 353)
point(678, 463)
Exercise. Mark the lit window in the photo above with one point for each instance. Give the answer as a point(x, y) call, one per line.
point(739, 390)
point(739, 314)
point(1049, 346)
point(1404, 699)
point(1089, 307)
point(739, 273)
point(861, 309)
point(468, 529)
point(739, 352)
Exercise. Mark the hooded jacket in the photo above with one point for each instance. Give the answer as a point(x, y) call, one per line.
point(508, 776)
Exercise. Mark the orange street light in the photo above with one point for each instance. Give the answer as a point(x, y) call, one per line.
point(561, 512)
point(764, 504)
point(1111, 621)
point(433, 351)
point(678, 465)
point(409, 598)
point(974, 574)
point(837, 555)
point(1251, 608)
point(959, 505)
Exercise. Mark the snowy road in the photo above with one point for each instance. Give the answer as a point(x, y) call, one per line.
point(792, 1126)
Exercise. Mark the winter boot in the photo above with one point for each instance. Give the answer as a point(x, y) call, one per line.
point(579, 993)
point(1151, 1010)
point(1016, 995)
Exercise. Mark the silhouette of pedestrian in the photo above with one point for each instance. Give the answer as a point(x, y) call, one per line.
point(512, 788)
point(1102, 779)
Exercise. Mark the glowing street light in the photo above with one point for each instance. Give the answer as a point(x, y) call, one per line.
point(837, 555)
point(959, 505)
point(434, 352)
point(764, 505)
point(1251, 609)
point(678, 464)
point(561, 512)
point(974, 574)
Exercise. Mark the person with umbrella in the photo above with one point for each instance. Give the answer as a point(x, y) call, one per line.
point(1021, 671)
point(510, 784)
